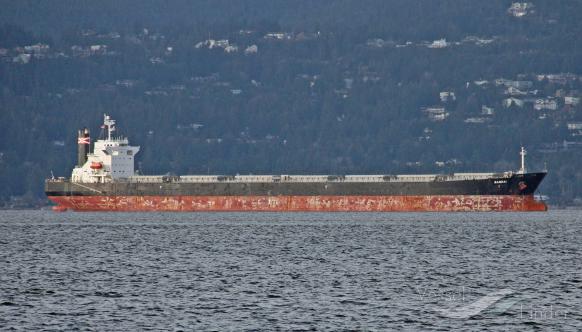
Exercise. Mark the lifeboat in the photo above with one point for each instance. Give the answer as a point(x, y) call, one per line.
point(96, 165)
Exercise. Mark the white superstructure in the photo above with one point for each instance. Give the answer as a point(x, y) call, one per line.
point(112, 158)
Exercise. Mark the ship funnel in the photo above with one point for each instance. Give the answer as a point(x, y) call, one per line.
point(83, 144)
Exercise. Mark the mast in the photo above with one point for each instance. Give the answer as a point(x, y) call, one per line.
point(109, 125)
point(522, 153)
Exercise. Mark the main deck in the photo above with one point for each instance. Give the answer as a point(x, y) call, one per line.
point(316, 178)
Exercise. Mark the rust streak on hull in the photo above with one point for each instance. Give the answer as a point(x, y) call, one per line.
point(440, 203)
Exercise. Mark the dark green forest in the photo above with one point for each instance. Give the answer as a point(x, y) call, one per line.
point(294, 87)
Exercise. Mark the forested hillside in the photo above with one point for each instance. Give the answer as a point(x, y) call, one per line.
point(265, 86)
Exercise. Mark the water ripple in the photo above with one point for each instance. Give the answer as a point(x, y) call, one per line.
point(295, 271)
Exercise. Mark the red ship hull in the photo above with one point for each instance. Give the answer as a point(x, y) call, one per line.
point(439, 203)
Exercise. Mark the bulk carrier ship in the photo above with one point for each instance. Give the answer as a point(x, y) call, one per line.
point(105, 180)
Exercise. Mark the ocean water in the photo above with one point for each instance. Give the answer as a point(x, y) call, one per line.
point(290, 271)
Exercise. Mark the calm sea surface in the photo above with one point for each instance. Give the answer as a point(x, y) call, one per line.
point(293, 271)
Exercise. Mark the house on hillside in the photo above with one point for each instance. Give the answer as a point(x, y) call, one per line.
point(572, 101)
point(253, 49)
point(440, 43)
point(507, 103)
point(575, 128)
point(126, 83)
point(279, 36)
point(478, 120)
point(222, 43)
point(437, 113)
point(447, 96)
point(97, 49)
point(545, 104)
point(561, 78)
point(487, 110)
point(231, 49)
point(80, 51)
point(37, 48)
point(378, 43)
point(22, 59)
point(520, 9)
point(514, 92)
point(521, 85)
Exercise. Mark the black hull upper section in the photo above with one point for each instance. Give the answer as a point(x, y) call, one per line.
point(517, 184)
